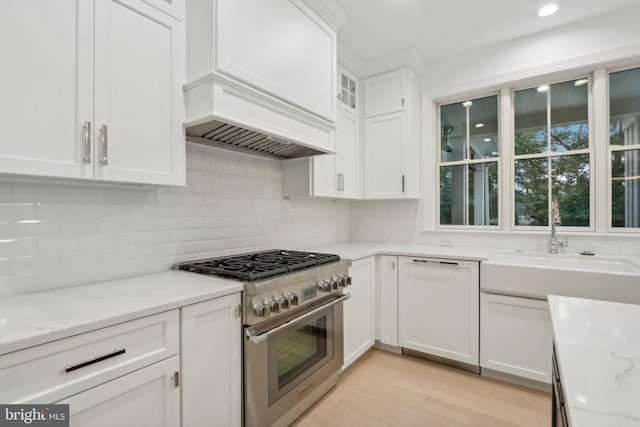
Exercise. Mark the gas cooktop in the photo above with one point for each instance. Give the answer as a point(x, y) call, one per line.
point(257, 265)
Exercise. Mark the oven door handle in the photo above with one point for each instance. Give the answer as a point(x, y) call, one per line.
point(261, 337)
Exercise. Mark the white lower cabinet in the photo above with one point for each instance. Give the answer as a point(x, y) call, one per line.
point(149, 397)
point(211, 351)
point(387, 300)
point(438, 307)
point(359, 310)
point(517, 336)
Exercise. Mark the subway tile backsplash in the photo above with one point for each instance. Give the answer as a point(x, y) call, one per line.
point(62, 234)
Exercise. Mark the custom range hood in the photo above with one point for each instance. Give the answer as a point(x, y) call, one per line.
point(261, 75)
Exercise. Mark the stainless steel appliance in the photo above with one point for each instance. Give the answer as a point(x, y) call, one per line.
point(292, 314)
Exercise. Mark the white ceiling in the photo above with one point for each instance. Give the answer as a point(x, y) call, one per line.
point(445, 28)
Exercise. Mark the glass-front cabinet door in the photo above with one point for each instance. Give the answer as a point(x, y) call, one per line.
point(348, 90)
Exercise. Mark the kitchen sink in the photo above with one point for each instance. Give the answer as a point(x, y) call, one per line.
point(537, 274)
point(566, 262)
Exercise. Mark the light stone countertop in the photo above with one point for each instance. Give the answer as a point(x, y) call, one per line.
point(358, 250)
point(31, 319)
point(598, 350)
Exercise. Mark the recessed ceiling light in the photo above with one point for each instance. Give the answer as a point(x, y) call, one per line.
point(580, 82)
point(487, 140)
point(467, 104)
point(479, 125)
point(548, 9)
point(543, 88)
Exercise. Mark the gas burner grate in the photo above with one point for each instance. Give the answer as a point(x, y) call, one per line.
point(258, 265)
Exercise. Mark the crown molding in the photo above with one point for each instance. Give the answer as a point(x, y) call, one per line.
point(404, 58)
point(349, 60)
point(329, 11)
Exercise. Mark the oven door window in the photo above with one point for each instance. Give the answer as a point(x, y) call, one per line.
point(297, 352)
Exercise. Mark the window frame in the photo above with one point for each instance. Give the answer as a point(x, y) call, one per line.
point(610, 149)
point(549, 155)
point(498, 160)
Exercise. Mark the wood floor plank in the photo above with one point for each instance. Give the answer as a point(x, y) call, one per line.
point(383, 389)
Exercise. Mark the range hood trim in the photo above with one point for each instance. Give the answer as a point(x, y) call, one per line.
point(222, 101)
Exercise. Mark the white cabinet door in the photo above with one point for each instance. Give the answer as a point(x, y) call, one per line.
point(383, 162)
point(325, 180)
point(46, 87)
point(348, 157)
point(211, 351)
point(387, 300)
point(439, 307)
point(386, 93)
point(517, 336)
point(139, 69)
point(359, 310)
point(145, 398)
point(280, 47)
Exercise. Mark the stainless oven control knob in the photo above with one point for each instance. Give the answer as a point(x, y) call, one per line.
point(275, 306)
point(291, 298)
point(342, 281)
point(284, 304)
point(324, 286)
point(348, 279)
point(261, 310)
point(334, 283)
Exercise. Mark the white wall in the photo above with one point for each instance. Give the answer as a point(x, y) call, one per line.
point(609, 39)
point(62, 234)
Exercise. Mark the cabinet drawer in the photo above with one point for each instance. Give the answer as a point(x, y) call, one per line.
point(55, 370)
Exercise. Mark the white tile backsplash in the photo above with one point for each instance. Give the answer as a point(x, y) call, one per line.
point(57, 234)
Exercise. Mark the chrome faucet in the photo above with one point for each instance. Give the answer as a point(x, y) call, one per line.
point(554, 243)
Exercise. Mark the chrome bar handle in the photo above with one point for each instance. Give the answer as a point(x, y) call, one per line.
point(342, 180)
point(104, 135)
point(338, 186)
point(87, 142)
point(403, 183)
point(256, 339)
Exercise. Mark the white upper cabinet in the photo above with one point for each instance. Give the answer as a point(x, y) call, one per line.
point(92, 89)
point(330, 175)
point(46, 84)
point(391, 136)
point(138, 101)
point(387, 93)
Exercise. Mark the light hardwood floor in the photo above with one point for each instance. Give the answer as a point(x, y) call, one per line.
point(385, 389)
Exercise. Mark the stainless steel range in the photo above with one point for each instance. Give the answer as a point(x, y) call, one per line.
point(292, 314)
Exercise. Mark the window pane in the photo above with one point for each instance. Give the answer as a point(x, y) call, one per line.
point(531, 192)
point(570, 187)
point(625, 188)
point(483, 127)
point(624, 107)
point(569, 116)
point(483, 193)
point(453, 132)
point(530, 121)
point(452, 194)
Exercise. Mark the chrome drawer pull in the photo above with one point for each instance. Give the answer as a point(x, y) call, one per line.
point(87, 142)
point(92, 361)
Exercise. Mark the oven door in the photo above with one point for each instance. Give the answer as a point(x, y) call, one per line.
point(286, 363)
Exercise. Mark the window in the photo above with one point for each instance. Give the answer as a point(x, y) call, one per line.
point(552, 154)
point(468, 166)
point(624, 148)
